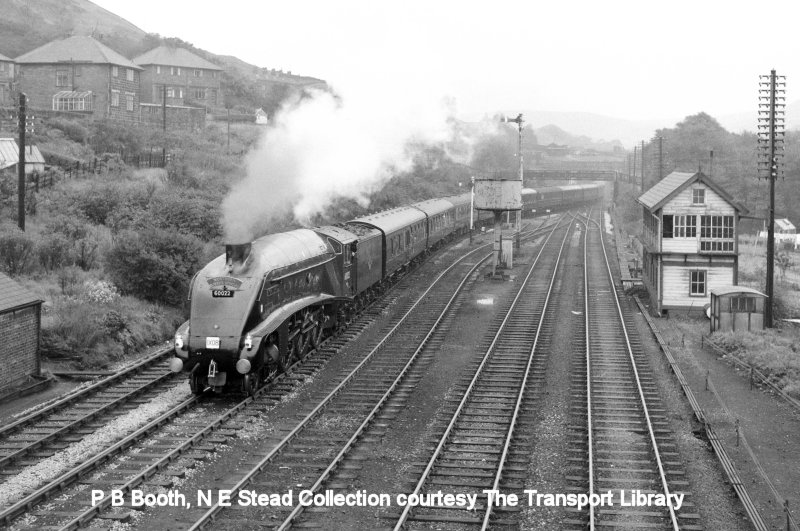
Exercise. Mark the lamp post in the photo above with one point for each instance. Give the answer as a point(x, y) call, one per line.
point(519, 121)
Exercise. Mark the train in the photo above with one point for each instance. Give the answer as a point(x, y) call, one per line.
point(263, 304)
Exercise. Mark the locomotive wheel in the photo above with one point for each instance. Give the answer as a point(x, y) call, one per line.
point(317, 332)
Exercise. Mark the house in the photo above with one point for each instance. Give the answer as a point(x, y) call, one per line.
point(261, 117)
point(689, 241)
point(80, 75)
point(20, 324)
point(186, 78)
point(785, 231)
point(9, 156)
point(6, 80)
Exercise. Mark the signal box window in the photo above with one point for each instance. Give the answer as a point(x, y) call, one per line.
point(697, 283)
point(698, 196)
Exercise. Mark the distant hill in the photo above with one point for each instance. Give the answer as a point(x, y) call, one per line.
point(747, 121)
point(552, 134)
point(28, 24)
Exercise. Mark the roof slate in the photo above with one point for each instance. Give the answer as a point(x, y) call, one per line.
point(4, 58)
point(174, 56)
point(76, 49)
point(13, 295)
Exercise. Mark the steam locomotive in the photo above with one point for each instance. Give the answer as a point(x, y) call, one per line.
point(264, 304)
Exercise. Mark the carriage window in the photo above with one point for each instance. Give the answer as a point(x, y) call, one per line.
point(347, 254)
point(408, 238)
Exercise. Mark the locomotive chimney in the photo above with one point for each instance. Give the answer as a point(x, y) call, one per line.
point(237, 254)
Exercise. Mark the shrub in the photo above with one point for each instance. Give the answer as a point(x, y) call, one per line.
point(187, 212)
point(16, 250)
point(100, 292)
point(154, 264)
point(54, 251)
point(73, 130)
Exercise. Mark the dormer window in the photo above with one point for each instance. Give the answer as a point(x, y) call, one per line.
point(698, 196)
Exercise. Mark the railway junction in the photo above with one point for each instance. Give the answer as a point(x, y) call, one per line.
point(453, 401)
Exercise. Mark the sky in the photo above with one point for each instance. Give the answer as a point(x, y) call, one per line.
point(625, 59)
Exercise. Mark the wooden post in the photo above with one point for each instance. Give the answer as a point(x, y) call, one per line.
point(21, 165)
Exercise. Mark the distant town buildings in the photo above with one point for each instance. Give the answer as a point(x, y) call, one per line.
point(82, 76)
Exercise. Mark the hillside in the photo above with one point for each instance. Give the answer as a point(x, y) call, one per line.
point(26, 24)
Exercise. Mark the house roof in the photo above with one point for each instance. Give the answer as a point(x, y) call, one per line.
point(4, 58)
point(665, 189)
point(78, 49)
point(784, 224)
point(13, 296)
point(9, 153)
point(174, 56)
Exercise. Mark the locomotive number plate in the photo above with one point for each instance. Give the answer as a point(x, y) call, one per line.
point(222, 293)
point(212, 342)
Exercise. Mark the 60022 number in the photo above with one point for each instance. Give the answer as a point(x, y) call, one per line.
point(222, 293)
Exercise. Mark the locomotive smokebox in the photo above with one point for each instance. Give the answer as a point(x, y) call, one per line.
point(237, 253)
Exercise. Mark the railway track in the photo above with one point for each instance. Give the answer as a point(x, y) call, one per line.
point(621, 439)
point(367, 395)
point(45, 431)
point(480, 445)
point(164, 448)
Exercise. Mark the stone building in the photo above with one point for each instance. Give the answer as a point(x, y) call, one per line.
point(80, 75)
point(6, 81)
point(186, 78)
point(689, 241)
point(20, 322)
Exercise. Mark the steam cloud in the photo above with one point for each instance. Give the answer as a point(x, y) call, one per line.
point(322, 148)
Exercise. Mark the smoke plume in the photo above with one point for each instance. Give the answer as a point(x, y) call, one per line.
point(322, 148)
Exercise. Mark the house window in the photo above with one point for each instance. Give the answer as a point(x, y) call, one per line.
point(698, 196)
point(129, 101)
point(115, 70)
point(743, 305)
point(2, 66)
point(198, 72)
point(115, 98)
point(199, 93)
point(214, 75)
point(175, 70)
point(129, 74)
point(684, 227)
point(697, 283)
point(158, 69)
point(76, 70)
point(170, 92)
point(716, 233)
point(62, 78)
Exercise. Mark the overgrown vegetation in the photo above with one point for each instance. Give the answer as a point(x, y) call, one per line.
point(776, 355)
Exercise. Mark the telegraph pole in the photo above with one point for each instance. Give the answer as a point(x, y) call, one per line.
point(660, 158)
point(771, 107)
point(642, 166)
point(633, 177)
point(21, 163)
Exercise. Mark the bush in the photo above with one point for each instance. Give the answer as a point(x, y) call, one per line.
point(73, 130)
point(54, 251)
point(16, 250)
point(154, 264)
point(187, 212)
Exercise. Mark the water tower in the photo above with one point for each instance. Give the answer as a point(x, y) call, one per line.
point(499, 195)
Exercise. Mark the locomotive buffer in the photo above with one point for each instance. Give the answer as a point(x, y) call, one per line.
point(498, 196)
